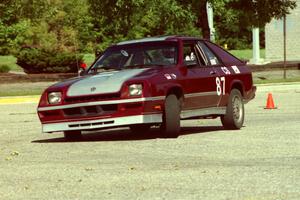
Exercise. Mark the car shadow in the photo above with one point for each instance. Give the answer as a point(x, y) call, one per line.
point(126, 135)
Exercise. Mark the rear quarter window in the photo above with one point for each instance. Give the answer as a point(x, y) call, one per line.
point(226, 57)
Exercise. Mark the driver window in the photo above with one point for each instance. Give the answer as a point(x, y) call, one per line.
point(189, 54)
point(192, 55)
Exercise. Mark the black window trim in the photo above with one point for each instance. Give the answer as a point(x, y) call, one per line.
point(216, 55)
point(199, 50)
point(202, 54)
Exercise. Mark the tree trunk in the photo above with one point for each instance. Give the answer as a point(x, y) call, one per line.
point(203, 21)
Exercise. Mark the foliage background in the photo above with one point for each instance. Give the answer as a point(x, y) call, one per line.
point(87, 26)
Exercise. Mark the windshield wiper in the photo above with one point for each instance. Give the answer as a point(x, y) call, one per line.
point(133, 67)
point(108, 68)
point(105, 68)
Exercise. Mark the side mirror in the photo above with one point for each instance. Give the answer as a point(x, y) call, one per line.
point(81, 71)
point(82, 68)
point(98, 53)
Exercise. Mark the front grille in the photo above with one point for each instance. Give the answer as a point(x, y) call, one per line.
point(90, 110)
point(91, 98)
point(91, 124)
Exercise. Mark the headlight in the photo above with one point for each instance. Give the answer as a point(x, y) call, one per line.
point(54, 97)
point(135, 89)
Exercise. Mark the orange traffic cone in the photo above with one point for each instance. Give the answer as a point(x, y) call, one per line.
point(270, 102)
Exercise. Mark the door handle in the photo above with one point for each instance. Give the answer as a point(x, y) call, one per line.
point(213, 73)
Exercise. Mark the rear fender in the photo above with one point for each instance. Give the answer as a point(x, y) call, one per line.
point(237, 84)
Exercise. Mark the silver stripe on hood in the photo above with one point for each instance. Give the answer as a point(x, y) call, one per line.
point(108, 82)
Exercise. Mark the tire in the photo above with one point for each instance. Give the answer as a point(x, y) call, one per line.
point(72, 135)
point(235, 113)
point(140, 128)
point(171, 118)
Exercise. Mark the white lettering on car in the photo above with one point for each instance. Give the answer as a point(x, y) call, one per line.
point(225, 70)
point(220, 82)
point(168, 76)
point(213, 61)
point(236, 69)
point(173, 76)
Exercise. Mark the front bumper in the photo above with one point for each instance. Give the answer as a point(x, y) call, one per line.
point(250, 94)
point(102, 123)
point(100, 114)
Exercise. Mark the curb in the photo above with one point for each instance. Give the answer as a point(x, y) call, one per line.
point(19, 100)
point(276, 84)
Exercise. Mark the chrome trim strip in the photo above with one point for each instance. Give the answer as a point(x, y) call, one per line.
point(102, 123)
point(200, 94)
point(202, 112)
point(102, 103)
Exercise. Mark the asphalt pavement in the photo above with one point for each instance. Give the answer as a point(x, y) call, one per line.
point(259, 162)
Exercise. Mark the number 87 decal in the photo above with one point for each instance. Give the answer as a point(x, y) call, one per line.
point(220, 81)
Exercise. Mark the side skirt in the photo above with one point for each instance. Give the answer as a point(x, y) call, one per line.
point(185, 114)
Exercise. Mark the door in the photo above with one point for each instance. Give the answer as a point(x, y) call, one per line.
point(201, 88)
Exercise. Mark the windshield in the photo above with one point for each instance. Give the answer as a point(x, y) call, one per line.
point(136, 56)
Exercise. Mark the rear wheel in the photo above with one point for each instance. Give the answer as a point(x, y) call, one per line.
point(72, 135)
point(235, 113)
point(171, 117)
point(140, 128)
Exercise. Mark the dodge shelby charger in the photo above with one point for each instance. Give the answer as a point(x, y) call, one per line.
point(152, 81)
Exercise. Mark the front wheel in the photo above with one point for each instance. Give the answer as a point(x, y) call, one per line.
point(171, 117)
point(235, 113)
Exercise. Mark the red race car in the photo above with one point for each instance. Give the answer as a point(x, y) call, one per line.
point(151, 81)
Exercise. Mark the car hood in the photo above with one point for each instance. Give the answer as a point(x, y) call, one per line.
point(107, 82)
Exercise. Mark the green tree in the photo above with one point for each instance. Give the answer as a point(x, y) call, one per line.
point(116, 20)
point(64, 23)
point(230, 30)
point(80, 24)
point(235, 19)
point(71, 22)
point(10, 25)
point(259, 12)
point(248, 12)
